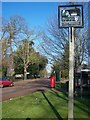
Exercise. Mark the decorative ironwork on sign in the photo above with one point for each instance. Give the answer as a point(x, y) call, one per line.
point(70, 16)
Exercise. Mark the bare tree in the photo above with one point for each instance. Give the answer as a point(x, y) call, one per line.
point(54, 41)
point(10, 30)
point(30, 35)
point(88, 36)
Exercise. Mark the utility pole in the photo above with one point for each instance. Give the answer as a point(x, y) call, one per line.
point(71, 73)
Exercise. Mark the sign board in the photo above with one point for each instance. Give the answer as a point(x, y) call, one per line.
point(70, 16)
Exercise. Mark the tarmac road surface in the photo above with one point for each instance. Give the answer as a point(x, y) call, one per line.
point(24, 87)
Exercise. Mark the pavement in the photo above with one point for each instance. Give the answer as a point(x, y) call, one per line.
point(24, 87)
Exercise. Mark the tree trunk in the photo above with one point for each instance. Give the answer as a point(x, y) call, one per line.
point(25, 72)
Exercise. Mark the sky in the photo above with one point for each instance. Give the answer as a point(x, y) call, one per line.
point(35, 13)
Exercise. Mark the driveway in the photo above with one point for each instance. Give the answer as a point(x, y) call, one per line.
point(22, 88)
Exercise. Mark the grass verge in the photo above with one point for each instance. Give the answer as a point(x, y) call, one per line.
point(44, 105)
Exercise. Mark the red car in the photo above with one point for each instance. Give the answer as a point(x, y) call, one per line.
point(5, 82)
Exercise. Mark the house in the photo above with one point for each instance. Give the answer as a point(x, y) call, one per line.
point(82, 76)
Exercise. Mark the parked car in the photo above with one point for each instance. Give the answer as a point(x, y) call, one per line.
point(5, 82)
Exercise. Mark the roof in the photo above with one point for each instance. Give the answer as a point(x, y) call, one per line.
point(83, 68)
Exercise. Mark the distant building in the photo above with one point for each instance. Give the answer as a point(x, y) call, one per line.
point(82, 75)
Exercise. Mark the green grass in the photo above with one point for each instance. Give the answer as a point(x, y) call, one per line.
point(44, 105)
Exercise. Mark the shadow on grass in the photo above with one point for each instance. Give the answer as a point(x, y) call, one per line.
point(53, 108)
point(56, 93)
point(83, 102)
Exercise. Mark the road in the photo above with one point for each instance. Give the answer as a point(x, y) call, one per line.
point(22, 88)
